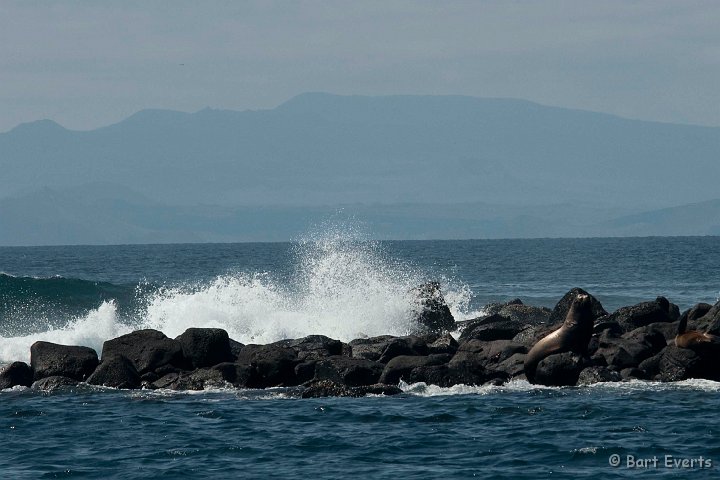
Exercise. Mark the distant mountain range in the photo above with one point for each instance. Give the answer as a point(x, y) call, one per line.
point(407, 166)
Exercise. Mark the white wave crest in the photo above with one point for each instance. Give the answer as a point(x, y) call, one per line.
point(90, 330)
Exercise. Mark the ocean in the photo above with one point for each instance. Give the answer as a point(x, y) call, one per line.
point(336, 283)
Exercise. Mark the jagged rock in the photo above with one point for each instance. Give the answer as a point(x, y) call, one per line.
point(645, 313)
point(630, 349)
point(562, 369)
point(520, 313)
point(693, 314)
point(651, 366)
point(369, 348)
point(513, 366)
point(410, 345)
point(55, 382)
point(679, 364)
point(376, 389)
point(403, 365)
point(115, 371)
point(305, 371)
point(147, 349)
point(326, 388)
point(274, 363)
point(590, 375)
point(710, 322)
point(16, 374)
point(563, 306)
point(433, 314)
point(494, 327)
point(468, 368)
point(205, 347)
point(237, 374)
point(632, 374)
point(315, 347)
point(235, 348)
point(353, 372)
point(444, 344)
point(199, 379)
point(50, 359)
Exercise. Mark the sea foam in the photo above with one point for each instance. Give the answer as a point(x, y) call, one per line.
point(341, 286)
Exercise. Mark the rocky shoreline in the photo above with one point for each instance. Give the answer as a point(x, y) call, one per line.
point(634, 342)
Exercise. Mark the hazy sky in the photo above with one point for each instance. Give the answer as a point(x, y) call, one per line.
point(86, 63)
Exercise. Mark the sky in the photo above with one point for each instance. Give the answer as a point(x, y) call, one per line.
point(87, 64)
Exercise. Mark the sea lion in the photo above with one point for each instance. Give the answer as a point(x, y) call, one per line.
point(573, 336)
point(689, 339)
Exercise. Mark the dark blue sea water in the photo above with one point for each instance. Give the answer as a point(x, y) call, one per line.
point(336, 286)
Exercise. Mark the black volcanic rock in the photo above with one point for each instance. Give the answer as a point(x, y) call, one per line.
point(115, 371)
point(433, 314)
point(563, 306)
point(562, 369)
point(16, 374)
point(493, 327)
point(50, 359)
point(645, 313)
point(274, 364)
point(147, 349)
point(55, 382)
point(205, 347)
point(237, 374)
point(352, 372)
point(400, 367)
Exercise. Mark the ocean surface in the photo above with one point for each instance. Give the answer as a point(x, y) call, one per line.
point(335, 283)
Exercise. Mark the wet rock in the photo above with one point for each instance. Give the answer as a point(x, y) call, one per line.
point(235, 348)
point(315, 347)
point(563, 306)
point(590, 375)
point(376, 389)
point(199, 379)
point(16, 374)
point(645, 313)
point(433, 314)
point(444, 344)
point(494, 327)
point(519, 313)
point(369, 348)
point(326, 388)
point(305, 371)
point(275, 364)
point(50, 359)
point(630, 349)
point(115, 371)
point(205, 347)
point(679, 364)
point(400, 367)
point(632, 374)
point(710, 322)
point(353, 372)
point(147, 349)
point(55, 382)
point(236, 374)
point(411, 345)
point(693, 314)
point(468, 368)
point(651, 366)
point(513, 366)
point(562, 369)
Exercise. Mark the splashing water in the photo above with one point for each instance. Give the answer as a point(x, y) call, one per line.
point(341, 286)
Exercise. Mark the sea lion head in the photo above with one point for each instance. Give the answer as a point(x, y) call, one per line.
point(580, 311)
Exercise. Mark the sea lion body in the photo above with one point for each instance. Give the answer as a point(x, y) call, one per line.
point(689, 339)
point(573, 336)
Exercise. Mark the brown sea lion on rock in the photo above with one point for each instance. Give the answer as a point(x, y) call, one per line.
point(689, 339)
point(573, 336)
